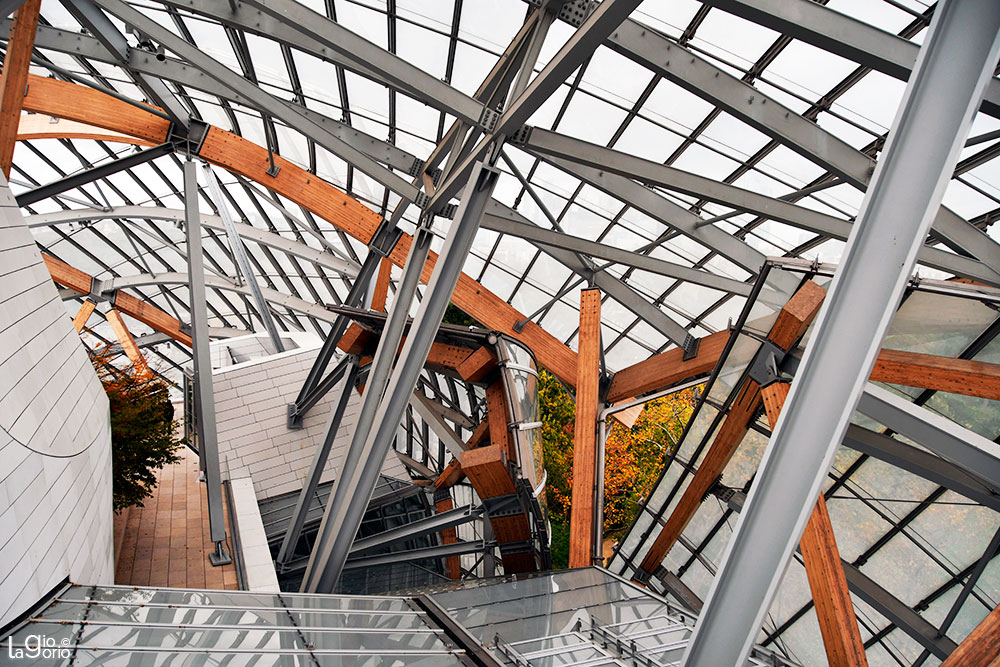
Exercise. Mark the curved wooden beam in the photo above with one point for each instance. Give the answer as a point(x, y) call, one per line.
point(85, 105)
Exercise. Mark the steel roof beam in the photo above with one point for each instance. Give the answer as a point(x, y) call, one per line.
point(260, 99)
point(578, 48)
point(749, 104)
point(554, 145)
point(100, 26)
point(255, 234)
point(966, 449)
point(842, 35)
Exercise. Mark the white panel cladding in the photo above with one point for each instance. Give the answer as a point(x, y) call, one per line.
point(55, 436)
point(257, 563)
point(251, 403)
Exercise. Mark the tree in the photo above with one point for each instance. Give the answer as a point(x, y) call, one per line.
point(633, 457)
point(143, 430)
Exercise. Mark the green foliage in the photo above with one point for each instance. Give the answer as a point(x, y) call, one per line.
point(455, 315)
point(633, 456)
point(560, 545)
point(143, 431)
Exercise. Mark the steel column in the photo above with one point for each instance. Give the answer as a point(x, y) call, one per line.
point(345, 488)
point(361, 480)
point(952, 70)
point(348, 365)
point(243, 262)
point(204, 393)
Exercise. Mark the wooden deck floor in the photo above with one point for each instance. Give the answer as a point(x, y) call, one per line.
point(166, 542)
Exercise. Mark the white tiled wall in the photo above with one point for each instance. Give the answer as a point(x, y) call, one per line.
point(55, 437)
point(251, 402)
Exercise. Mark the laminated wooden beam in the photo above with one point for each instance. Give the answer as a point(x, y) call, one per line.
point(381, 291)
point(588, 374)
point(453, 564)
point(127, 342)
point(452, 473)
point(151, 316)
point(61, 99)
point(957, 376)
point(837, 622)
point(499, 419)
point(82, 315)
point(478, 365)
point(356, 339)
point(791, 322)
point(666, 369)
point(981, 647)
point(67, 276)
point(15, 77)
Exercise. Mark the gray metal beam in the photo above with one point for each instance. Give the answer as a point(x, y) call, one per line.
point(946, 88)
point(964, 448)
point(8, 7)
point(339, 525)
point(98, 24)
point(204, 394)
point(102, 170)
point(441, 551)
point(242, 260)
point(427, 409)
point(431, 524)
point(348, 368)
point(502, 219)
point(924, 464)
point(898, 613)
point(579, 47)
point(842, 35)
point(401, 74)
point(554, 145)
point(260, 99)
point(329, 556)
point(749, 104)
point(246, 231)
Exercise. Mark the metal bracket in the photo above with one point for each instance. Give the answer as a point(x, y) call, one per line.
point(575, 12)
point(690, 347)
point(489, 119)
point(510, 548)
point(766, 364)
point(501, 506)
point(415, 168)
point(448, 211)
point(441, 494)
point(640, 576)
point(294, 419)
point(421, 200)
point(520, 136)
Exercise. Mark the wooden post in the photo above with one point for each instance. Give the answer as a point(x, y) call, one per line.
point(15, 78)
point(381, 291)
point(981, 647)
point(127, 342)
point(834, 609)
point(82, 315)
point(788, 327)
point(588, 375)
point(498, 419)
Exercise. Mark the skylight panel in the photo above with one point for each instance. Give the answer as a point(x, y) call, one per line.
point(965, 201)
point(670, 18)
point(873, 101)
point(699, 160)
point(366, 22)
point(733, 137)
point(583, 223)
point(882, 15)
point(268, 63)
point(424, 48)
point(808, 70)
point(208, 36)
point(676, 107)
point(733, 39)
point(590, 119)
point(615, 77)
point(371, 98)
point(646, 140)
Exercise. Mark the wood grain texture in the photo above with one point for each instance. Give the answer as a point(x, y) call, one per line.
point(82, 315)
point(127, 342)
point(151, 316)
point(581, 541)
point(15, 77)
point(478, 365)
point(981, 648)
point(452, 473)
point(38, 126)
point(837, 622)
point(499, 418)
point(67, 276)
point(381, 291)
point(791, 322)
point(71, 101)
point(957, 376)
point(452, 564)
point(667, 368)
point(75, 102)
